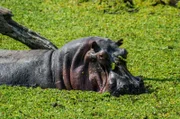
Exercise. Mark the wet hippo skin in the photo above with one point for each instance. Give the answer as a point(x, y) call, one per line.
point(92, 63)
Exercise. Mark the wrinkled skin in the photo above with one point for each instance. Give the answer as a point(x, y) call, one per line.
point(83, 64)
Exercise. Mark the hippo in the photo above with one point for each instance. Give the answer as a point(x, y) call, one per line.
point(90, 64)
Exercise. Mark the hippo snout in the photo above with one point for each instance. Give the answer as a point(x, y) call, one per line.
point(120, 84)
point(135, 85)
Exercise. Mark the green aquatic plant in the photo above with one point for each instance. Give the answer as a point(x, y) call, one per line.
point(113, 65)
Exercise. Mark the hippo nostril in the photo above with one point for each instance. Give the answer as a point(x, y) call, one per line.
point(139, 79)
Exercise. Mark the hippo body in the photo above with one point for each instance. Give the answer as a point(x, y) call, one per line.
point(26, 68)
point(82, 64)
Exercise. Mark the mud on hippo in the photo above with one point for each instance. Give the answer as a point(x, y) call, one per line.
point(92, 63)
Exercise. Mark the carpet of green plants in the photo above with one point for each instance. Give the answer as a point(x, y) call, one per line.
point(151, 35)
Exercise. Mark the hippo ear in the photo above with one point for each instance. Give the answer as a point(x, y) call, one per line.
point(119, 42)
point(95, 46)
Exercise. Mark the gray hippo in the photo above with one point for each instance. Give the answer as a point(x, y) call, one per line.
point(91, 63)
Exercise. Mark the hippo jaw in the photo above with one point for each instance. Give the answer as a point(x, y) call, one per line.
point(98, 77)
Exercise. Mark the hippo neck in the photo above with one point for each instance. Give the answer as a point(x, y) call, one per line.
point(56, 68)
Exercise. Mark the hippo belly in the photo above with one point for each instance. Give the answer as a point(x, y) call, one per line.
point(26, 68)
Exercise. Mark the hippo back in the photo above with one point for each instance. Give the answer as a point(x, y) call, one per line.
point(26, 68)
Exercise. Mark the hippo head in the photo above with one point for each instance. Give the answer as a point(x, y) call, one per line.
point(99, 64)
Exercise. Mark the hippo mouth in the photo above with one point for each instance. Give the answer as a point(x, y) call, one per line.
point(98, 71)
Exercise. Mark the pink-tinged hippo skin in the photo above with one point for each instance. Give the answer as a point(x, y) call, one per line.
point(91, 63)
